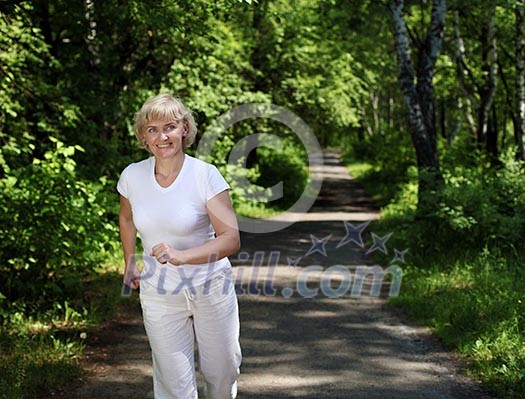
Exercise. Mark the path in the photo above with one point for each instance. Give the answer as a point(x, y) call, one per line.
point(295, 347)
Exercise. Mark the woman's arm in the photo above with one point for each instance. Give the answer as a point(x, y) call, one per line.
point(226, 242)
point(128, 237)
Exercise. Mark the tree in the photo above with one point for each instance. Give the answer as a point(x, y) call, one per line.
point(479, 83)
point(519, 125)
point(419, 98)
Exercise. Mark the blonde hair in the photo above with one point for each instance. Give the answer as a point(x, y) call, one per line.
point(164, 106)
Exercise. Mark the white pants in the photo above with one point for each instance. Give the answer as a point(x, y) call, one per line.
point(208, 314)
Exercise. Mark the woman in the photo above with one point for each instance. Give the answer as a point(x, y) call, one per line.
point(181, 208)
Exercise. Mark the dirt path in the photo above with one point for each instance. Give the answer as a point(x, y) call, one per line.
point(297, 347)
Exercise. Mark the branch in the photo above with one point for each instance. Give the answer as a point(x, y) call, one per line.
point(492, 59)
point(414, 38)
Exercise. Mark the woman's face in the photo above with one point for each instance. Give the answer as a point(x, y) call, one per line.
point(164, 138)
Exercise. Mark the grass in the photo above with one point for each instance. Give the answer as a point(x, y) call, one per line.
point(373, 181)
point(40, 349)
point(32, 363)
point(477, 306)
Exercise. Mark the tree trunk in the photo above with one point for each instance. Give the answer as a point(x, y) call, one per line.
point(419, 99)
point(443, 119)
point(519, 126)
point(492, 137)
point(258, 56)
point(462, 72)
point(488, 90)
point(459, 123)
point(390, 112)
point(374, 102)
point(44, 22)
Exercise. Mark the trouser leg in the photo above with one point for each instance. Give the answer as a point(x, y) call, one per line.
point(217, 332)
point(169, 327)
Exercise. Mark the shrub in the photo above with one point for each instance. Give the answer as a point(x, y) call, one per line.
point(479, 206)
point(483, 206)
point(55, 228)
point(287, 167)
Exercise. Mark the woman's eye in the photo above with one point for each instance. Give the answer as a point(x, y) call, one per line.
point(152, 130)
point(171, 128)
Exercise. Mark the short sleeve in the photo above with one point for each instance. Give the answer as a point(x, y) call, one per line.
point(122, 185)
point(215, 183)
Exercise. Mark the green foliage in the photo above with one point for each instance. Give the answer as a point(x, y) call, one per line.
point(38, 365)
point(32, 107)
point(217, 80)
point(286, 166)
point(479, 205)
point(309, 69)
point(40, 349)
point(55, 228)
point(244, 192)
point(482, 206)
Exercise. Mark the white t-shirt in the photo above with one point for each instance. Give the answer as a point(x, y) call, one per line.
point(175, 215)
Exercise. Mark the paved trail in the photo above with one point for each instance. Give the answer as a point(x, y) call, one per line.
point(296, 347)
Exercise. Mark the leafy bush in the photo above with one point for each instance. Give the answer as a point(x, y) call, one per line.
point(484, 206)
point(55, 228)
point(479, 206)
point(287, 167)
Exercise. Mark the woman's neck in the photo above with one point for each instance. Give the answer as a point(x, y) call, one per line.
point(169, 167)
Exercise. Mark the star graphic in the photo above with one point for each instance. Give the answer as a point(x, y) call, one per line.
point(318, 245)
point(379, 243)
point(292, 262)
point(399, 256)
point(353, 234)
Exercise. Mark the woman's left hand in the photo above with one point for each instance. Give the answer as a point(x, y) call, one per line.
point(164, 253)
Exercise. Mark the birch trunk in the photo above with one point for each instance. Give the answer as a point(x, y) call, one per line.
point(462, 72)
point(419, 98)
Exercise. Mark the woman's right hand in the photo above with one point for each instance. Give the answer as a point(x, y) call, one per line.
point(132, 276)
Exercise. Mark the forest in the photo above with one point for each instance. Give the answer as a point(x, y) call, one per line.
point(425, 98)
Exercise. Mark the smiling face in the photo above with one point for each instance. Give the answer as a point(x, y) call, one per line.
point(154, 117)
point(164, 138)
